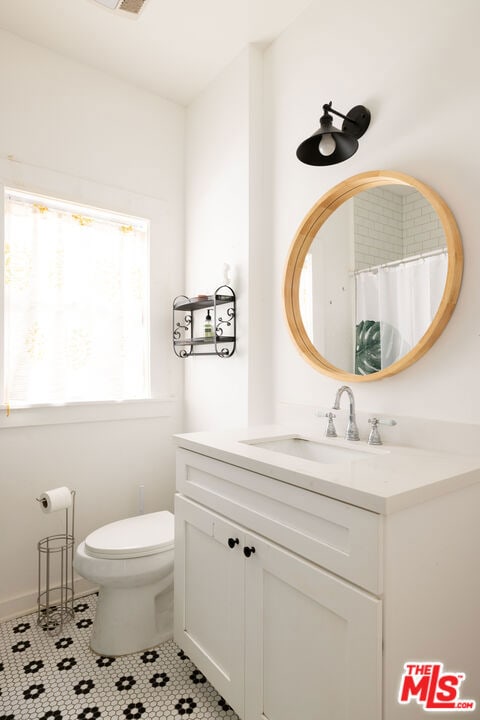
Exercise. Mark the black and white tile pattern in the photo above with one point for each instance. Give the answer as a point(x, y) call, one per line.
point(57, 677)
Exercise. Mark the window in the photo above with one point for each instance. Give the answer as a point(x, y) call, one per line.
point(76, 305)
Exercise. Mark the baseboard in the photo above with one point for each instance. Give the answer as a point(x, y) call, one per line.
point(27, 604)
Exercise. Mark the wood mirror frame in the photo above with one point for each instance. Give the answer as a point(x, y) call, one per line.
point(304, 237)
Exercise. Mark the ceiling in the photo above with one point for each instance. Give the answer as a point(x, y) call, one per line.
point(172, 48)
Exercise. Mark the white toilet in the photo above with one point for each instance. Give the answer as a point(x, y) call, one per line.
point(131, 561)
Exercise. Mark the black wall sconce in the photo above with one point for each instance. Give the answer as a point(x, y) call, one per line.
point(329, 145)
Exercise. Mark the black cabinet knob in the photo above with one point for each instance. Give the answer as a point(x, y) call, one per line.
point(232, 542)
point(247, 551)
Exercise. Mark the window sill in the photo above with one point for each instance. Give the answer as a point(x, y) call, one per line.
point(86, 412)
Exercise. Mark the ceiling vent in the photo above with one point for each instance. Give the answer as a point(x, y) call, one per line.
point(131, 6)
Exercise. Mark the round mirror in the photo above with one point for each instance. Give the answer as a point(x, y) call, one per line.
point(372, 276)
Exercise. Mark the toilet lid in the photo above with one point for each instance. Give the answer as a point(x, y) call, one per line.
point(133, 537)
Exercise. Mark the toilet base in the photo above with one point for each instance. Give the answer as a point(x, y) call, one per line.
point(129, 620)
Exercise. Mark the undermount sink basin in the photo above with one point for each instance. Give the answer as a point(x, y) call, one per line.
point(322, 452)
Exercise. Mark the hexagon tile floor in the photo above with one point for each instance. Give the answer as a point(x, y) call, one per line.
point(57, 677)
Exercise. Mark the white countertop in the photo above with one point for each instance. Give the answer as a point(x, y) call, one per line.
point(389, 479)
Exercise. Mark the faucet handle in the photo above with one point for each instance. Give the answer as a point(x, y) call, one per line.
point(374, 436)
point(330, 431)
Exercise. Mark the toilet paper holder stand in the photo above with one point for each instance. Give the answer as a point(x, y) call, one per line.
point(55, 575)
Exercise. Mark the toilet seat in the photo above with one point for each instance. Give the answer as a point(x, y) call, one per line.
point(133, 537)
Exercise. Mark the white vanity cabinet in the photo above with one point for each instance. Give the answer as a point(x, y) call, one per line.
point(359, 569)
point(276, 594)
point(210, 597)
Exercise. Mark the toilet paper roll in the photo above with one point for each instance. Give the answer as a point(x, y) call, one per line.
point(57, 499)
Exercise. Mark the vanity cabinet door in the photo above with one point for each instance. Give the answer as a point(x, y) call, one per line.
point(313, 642)
point(209, 597)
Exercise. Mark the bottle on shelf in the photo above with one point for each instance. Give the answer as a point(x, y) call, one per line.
point(208, 327)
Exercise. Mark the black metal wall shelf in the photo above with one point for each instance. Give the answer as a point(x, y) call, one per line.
point(189, 327)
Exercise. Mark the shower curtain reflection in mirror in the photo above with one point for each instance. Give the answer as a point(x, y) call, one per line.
point(395, 305)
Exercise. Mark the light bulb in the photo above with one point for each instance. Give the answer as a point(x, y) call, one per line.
point(327, 144)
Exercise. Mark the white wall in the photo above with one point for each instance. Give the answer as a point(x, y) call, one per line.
point(414, 65)
point(390, 226)
point(65, 123)
point(225, 215)
point(333, 296)
point(378, 220)
point(422, 229)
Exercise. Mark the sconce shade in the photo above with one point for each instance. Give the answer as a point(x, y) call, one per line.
point(329, 145)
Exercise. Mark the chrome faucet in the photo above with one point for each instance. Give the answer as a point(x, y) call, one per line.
point(352, 429)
